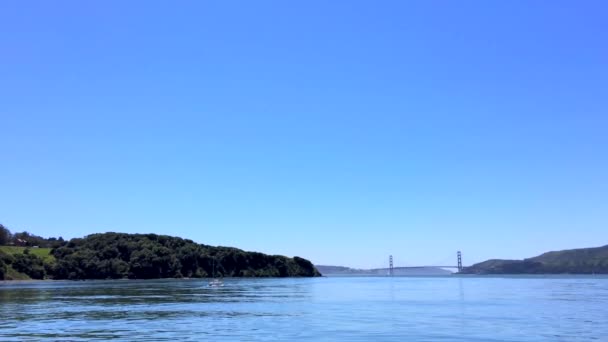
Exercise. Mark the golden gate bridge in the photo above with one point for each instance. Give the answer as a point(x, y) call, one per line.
point(458, 266)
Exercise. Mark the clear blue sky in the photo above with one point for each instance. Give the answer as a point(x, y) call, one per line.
point(340, 131)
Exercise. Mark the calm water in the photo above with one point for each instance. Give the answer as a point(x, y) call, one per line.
point(353, 309)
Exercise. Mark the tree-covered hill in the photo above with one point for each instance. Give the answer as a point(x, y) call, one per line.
point(148, 256)
point(22, 263)
point(139, 256)
point(26, 239)
point(572, 261)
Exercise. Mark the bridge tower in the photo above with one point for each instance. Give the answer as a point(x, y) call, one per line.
point(390, 265)
point(459, 256)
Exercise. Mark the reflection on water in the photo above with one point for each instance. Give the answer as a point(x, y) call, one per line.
point(450, 308)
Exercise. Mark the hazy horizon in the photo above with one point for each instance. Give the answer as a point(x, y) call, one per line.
point(340, 132)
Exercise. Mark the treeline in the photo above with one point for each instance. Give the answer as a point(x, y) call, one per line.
point(147, 256)
point(150, 256)
point(29, 264)
point(25, 239)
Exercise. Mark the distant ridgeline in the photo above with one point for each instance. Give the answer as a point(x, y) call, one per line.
point(144, 256)
point(572, 261)
point(333, 271)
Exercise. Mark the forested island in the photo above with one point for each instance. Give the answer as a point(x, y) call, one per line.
point(135, 256)
point(571, 261)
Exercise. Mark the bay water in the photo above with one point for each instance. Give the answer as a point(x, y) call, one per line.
point(449, 308)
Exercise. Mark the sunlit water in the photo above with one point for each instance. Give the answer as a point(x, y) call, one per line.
point(352, 309)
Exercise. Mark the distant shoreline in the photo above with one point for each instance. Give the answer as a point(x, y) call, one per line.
point(580, 261)
point(453, 276)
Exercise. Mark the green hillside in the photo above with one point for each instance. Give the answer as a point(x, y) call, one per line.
point(23, 263)
point(44, 253)
point(571, 261)
point(136, 256)
point(150, 256)
point(11, 274)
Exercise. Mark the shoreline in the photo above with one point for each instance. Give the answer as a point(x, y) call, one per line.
point(454, 276)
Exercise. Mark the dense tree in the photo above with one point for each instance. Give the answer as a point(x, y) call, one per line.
point(27, 239)
point(29, 264)
point(3, 270)
point(6, 258)
point(5, 235)
point(146, 256)
point(149, 256)
point(5, 261)
point(35, 240)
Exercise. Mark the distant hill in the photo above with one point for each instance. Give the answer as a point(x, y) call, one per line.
point(336, 271)
point(325, 270)
point(571, 261)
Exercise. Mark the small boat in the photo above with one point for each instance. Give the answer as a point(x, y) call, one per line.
point(215, 282)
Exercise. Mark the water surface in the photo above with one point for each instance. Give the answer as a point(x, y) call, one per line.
point(353, 309)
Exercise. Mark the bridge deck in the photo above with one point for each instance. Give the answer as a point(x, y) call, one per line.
point(431, 266)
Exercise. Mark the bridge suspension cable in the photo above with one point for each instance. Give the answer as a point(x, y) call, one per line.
point(438, 264)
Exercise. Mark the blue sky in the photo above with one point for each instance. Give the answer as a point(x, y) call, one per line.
point(340, 131)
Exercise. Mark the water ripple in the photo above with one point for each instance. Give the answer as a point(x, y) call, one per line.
point(325, 309)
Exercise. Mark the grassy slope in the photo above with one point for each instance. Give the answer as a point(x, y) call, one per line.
point(11, 274)
point(44, 253)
